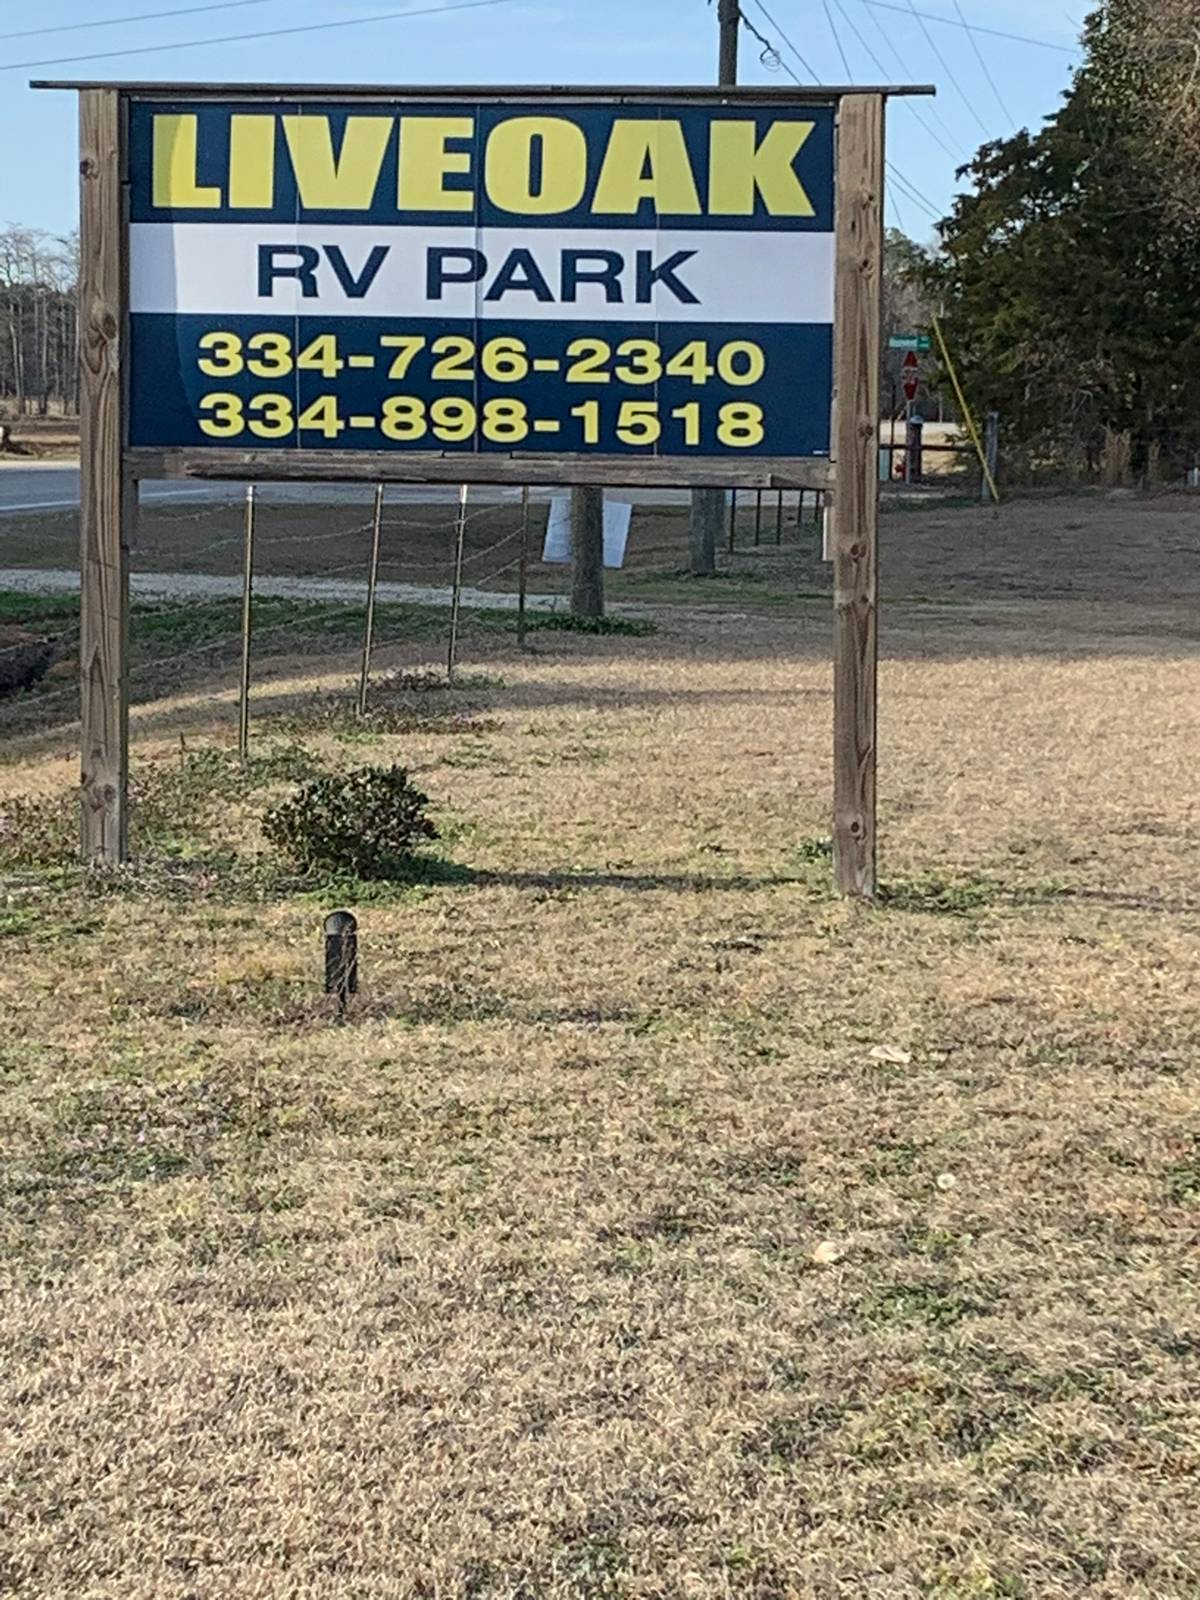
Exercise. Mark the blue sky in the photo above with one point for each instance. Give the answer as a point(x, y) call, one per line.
point(538, 41)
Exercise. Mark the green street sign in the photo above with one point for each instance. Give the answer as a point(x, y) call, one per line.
point(920, 342)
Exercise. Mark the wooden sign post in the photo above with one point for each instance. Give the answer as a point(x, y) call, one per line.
point(480, 286)
point(856, 490)
point(106, 494)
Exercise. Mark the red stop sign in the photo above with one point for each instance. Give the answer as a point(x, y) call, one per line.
point(910, 375)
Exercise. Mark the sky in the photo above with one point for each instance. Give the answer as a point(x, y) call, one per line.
point(987, 86)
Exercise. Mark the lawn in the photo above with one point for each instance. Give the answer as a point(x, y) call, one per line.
point(657, 1226)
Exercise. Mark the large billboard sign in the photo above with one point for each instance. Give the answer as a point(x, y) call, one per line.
point(467, 276)
point(533, 286)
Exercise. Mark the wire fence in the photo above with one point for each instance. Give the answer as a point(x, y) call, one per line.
point(366, 578)
point(759, 517)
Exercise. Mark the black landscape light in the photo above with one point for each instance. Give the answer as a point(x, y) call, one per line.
point(341, 957)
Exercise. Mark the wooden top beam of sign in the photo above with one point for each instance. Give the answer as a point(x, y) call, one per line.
point(635, 94)
point(396, 466)
point(856, 449)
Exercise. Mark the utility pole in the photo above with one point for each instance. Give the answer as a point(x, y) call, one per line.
point(729, 17)
point(708, 505)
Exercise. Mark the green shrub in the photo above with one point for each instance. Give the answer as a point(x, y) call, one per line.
point(367, 823)
point(815, 849)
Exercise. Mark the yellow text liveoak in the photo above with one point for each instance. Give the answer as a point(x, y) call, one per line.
point(527, 166)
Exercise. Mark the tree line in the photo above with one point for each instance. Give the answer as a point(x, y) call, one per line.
point(1069, 275)
point(38, 323)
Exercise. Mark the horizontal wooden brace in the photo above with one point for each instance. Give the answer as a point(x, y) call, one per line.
point(534, 470)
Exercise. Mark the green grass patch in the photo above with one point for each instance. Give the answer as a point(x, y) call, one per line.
point(959, 894)
point(941, 1305)
point(310, 626)
point(173, 643)
point(721, 588)
point(940, 893)
point(567, 622)
point(176, 807)
point(167, 626)
point(1183, 1179)
point(38, 610)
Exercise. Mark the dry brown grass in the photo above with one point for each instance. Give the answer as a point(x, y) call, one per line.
point(513, 1288)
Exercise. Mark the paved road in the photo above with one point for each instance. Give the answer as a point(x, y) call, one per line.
point(54, 486)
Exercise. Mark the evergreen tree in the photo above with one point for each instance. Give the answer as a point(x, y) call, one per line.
point(1070, 284)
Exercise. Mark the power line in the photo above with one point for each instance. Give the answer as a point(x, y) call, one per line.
point(914, 194)
point(245, 38)
point(854, 29)
point(910, 189)
point(912, 78)
point(837, 39)
point(948, 70)
point(785, 39)
point(916, 110)
point(971, 27)
point(987, 71)
point(144, 16)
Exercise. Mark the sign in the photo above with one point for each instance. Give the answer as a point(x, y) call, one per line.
point(622, 287)
point(556, 547)
point(474, 276)
point(920, 342)
point(910, 375)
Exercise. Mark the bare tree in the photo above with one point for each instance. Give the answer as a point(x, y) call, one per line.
point(38, 321)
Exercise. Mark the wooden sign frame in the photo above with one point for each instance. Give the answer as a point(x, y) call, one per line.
point(110, 471)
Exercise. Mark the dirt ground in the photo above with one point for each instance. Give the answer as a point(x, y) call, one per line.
point(657, 1227)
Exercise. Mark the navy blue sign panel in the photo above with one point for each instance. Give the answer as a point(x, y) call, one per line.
point(520, 277)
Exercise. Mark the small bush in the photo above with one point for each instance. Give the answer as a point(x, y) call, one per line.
point(25, 662)
point(367, 823)
point(815, 849)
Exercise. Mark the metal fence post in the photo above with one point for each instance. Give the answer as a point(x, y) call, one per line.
point(456, 596)
point(247, 596)
point(991, 453)
point(372, 584)
point(523, 568)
